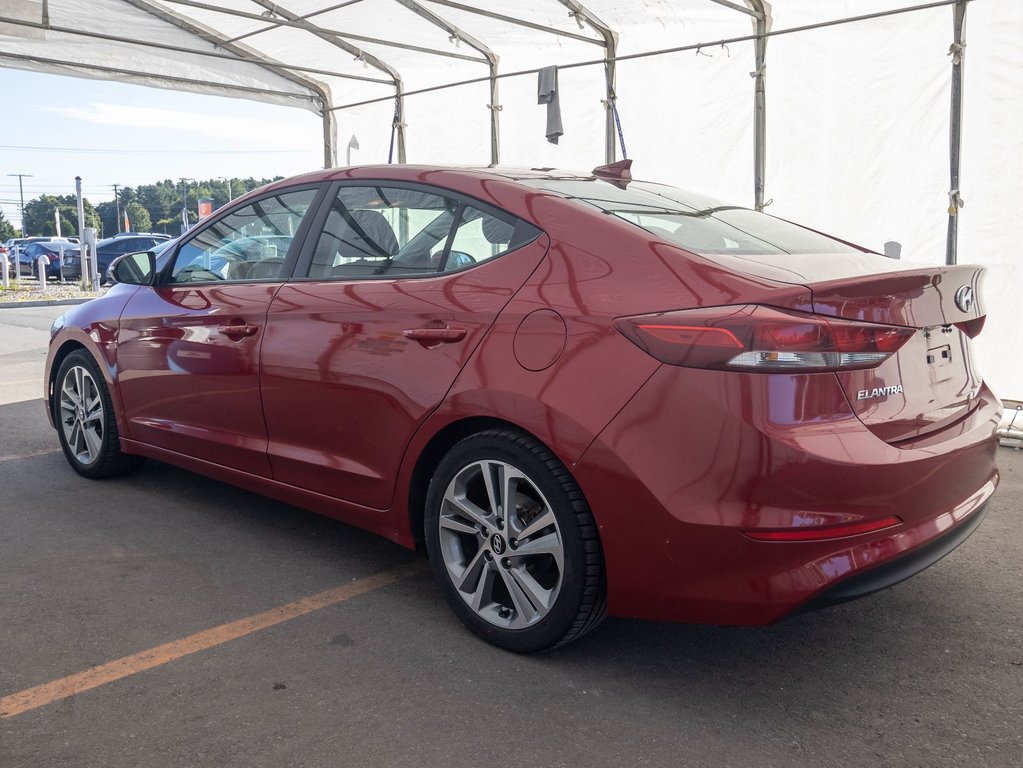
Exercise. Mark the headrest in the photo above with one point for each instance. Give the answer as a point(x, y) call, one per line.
point(382, 241)
point(497, 231)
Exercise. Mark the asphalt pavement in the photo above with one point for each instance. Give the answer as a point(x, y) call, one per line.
point(190, 586)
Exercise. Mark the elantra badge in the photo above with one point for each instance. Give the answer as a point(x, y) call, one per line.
point(870, 394)
point(964, 298)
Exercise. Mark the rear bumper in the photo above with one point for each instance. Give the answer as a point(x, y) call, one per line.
point(697, 457)
point(901, 568)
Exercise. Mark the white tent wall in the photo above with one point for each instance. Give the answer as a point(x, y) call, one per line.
point(992, 183)
point(858, 131)
point(687, 117)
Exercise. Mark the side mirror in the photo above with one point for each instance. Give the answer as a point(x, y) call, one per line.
point(134, 268)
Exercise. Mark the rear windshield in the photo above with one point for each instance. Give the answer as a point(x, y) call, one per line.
point(699, 224)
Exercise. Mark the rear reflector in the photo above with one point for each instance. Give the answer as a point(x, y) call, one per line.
point(823, 534)
point(764, 339)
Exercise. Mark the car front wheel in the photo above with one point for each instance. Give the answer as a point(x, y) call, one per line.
point(84, 415)
point(513, 544)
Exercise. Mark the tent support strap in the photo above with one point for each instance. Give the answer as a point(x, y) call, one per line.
point(955, 130)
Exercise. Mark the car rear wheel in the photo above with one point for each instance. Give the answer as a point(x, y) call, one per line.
point(513, 543)
point(84, 415)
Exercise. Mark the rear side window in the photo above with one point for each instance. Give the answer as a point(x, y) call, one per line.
point(382, 231)
point(696, 223)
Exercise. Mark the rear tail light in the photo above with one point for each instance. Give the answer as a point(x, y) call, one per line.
point(764, 339)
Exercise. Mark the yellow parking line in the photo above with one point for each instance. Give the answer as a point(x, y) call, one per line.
point(16, 456)
point(47, 693)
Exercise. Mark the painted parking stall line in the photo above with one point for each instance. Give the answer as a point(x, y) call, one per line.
point(30, 455)
point(47, 693)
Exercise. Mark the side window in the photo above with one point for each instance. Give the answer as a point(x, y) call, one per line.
point(250, 243)
point(382, 231)
point(480, 236)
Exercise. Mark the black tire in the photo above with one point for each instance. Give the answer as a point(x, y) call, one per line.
point(533, 602)
point(93, 449)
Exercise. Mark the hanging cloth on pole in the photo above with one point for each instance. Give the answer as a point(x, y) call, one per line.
point(547, 93)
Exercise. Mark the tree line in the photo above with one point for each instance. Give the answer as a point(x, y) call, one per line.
point(150, 208)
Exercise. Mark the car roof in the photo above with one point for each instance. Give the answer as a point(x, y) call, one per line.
point(122, 235)
point(419, 172)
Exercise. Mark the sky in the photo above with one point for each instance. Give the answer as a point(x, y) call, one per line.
point(55, 128)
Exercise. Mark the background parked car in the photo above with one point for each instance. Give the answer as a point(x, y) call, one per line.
point(56, 252)
point(110, 248)
point(19, 257)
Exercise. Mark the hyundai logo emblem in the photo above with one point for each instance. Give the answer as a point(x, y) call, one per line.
point(964, 298)
point(497, 544)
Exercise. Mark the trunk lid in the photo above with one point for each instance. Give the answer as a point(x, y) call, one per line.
point(932, 381)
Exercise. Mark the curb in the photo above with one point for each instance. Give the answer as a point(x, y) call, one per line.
point(51, 303)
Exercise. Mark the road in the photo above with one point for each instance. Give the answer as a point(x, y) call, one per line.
point(929, 673)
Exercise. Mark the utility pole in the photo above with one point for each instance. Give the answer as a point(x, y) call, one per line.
point(21, 191)
point(117, 207)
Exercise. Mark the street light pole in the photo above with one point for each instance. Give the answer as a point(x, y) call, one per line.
point(117, 208)
point(21, 192)
point(230, 194)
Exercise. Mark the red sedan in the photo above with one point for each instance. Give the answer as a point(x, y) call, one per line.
point(581, 394)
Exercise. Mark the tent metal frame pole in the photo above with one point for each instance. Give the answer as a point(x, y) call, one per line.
point(298, 22)
point(324, 101)
point(272, 25)
point(368, 58)
point(245, 59)
point(610, 38)
point(492, 60)
point(739, 8)
point(515, 21)
point(955, 130)
point(761, 24)
point(227, 88)
point(495, 121)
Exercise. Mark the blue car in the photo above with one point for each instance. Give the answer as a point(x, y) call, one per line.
point(60, 254)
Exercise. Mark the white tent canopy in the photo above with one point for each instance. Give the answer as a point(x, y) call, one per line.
point(841, 114)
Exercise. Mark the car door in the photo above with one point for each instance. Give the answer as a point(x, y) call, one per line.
point(188, 348)
point(365, 344)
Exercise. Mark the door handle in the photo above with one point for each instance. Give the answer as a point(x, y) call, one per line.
point(433, 337)
point(238, 330)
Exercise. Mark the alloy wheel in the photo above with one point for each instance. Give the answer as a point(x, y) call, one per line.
point(501, 544)
point(81, 415)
